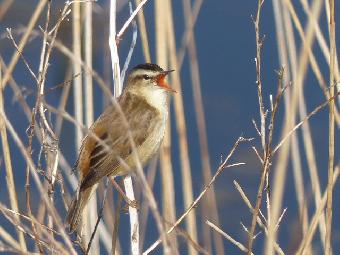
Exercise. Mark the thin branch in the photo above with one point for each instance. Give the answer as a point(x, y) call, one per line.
point(130, 19)
point(192, 243)
point(10, 36)
point(297, 126)
point(38, 10)
point(206, 188)
point(261, 221)
point(267, 157)
point(132, 46)
point(247, 202)
point(259, 42)
point(100, 215)
point(257, 154)
point(29, 218)
point(228, 237)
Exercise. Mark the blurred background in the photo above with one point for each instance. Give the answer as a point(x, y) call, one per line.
point(218, 94)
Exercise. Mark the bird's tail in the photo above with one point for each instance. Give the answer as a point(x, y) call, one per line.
point(76, 208)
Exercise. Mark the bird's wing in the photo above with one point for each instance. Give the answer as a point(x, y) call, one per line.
point(115, 144)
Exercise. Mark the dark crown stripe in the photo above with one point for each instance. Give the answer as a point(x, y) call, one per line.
point(148, 66)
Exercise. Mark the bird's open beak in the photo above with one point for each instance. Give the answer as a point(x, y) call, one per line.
point(161, 82)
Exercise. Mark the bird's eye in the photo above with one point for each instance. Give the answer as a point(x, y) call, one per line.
point(146, 77)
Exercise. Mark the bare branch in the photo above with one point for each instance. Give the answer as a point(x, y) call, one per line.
point(206, 188)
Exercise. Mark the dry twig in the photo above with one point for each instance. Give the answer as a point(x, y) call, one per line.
point(206, 188)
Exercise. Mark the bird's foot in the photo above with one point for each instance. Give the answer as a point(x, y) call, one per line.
point(131, 203)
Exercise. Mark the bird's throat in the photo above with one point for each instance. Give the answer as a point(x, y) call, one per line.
point(156, 98)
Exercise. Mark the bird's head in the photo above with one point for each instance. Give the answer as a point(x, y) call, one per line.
point(148, 76)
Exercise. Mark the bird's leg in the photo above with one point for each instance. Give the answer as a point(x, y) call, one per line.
point(132, 203)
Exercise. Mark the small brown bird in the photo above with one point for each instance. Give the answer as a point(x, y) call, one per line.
point(144, 105)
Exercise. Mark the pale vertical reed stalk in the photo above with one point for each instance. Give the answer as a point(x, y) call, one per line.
point(306, 132)
point(114, 51)
point(211, 208)
point(107, 77)
point(325, 50)
point(168, 189)
point(144, 211)
point(166, 171)
point(301, 33)
point(321, 38)
point(87, 44)
point(195, 10)
point(77, 78)
point(307, 137)
point(160, 33)
point(89, 109)
point(51, 154)
point(8, 166)
point(78, 96)
point(4, 7)
point(143, 34)
point(289, 123)
point(331, 135)
point(134, 223)
point(116, 225)
point(180, 121)
point(307, 239)
point(34, 18)
point(287, 56)
point(336, 62)
point(323, 47)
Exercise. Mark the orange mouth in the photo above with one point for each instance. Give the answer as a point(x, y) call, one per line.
point(161, 82)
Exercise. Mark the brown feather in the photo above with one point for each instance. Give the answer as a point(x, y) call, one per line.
point(77, 205)
point(98, 160)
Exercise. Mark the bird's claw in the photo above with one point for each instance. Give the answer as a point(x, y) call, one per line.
point(131, 203)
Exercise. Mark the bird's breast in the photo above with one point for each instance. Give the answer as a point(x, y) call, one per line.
point(153, 140)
